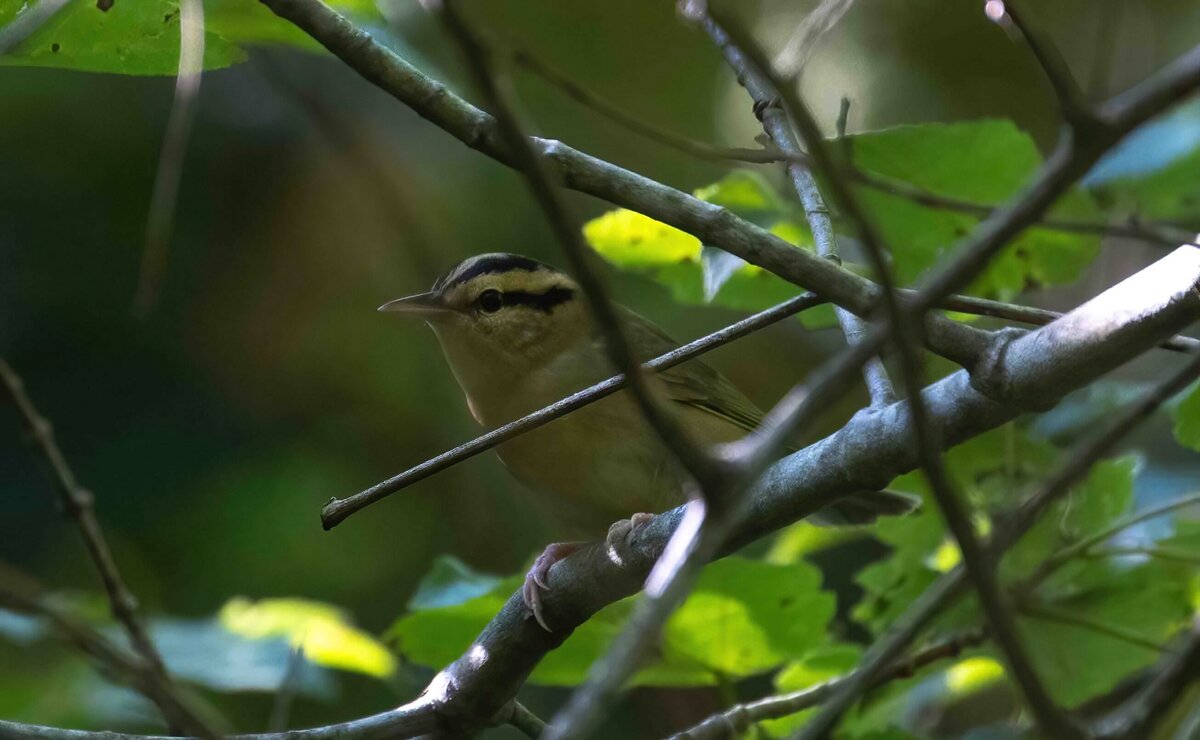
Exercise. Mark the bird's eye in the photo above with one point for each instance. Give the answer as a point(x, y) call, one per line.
point(490, 301)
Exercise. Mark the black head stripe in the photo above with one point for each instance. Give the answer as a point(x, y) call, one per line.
point(487, 264)
point(540, 301)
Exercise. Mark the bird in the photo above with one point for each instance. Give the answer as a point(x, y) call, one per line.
point(518, 335)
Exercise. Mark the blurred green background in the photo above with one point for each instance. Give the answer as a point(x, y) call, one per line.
point(263, 382)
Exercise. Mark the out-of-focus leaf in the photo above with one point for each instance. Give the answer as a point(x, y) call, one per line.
point(819, 665)
point(1150, 148)
point(1172, 193)
point(20, 628)
point(323, 631)
point(990, 470)
point(142, 37)
point(1077, 663)
point(1104, 496)
point(437, 636)
point(802, 538)
point(982, 161)
point(1187, 420)
point(449, 582)
point(136, 38)
point(745, 617)
point(208, 653)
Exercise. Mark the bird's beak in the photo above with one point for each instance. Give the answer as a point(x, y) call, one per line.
point(426, 305)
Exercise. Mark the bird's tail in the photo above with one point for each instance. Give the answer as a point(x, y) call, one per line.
point(864, 508)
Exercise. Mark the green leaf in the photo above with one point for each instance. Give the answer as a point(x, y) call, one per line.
point(1077, 663)
point(1187, 419)
point(819, 665)
point(450, 582)
point(745, 617)
point(324, 633)
point(1103, 497)
point(983, 162)
point(675, 259)
point(133, 38)
point(1172, 193)
point(142, 37)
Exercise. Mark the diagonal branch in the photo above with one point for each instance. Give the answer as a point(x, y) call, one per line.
point(737, 720)
point(979, 564)
point(764, 92)
point(20, 594)
point(78, 503)
point(1076, 110)
point(865, 454)
point(544, 183)
point(1175, 673)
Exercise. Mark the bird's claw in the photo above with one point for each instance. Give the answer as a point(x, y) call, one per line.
point(535, 579)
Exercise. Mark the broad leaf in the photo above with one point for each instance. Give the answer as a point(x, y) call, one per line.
point(1187, 419)
point(322, 631)
point(450, 582)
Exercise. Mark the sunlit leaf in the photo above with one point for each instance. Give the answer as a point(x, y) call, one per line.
point(744, 616)
point(819, 665)
point(323, 631)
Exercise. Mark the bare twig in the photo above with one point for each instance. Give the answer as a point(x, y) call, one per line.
point(526, 721)
point(78, 503)
point(1175, 673)
point(20, 594)
point(1146, 231)
point(738, 719)
point(26, 24)
point(1049, 613)
point(1073, 103)
point(544, 183)
point(334, 512)
point(950, 586)
point(978, 561)
point(165, 197)
point(763, 91)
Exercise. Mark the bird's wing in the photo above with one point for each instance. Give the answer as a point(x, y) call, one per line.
point(693, 383)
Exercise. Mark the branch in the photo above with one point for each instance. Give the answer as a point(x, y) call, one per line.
point(946, 589)
point(1145, 231)
point(21, 595)
point(738, 719)
point(1076, 110)
point(543, 182)
point(78, 503)
point(866, 453)
point(979, 564)
point(712, 224)
point(765, 91)
point(1174, 674)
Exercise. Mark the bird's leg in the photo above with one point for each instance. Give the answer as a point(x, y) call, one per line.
point(618, 533)
point(535, 579)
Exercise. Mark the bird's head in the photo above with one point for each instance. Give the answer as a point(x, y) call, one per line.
point(500, 314)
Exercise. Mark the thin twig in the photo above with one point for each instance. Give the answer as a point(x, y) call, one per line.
point(738, 719)
point(1073, 103)
point(526, 721)
point(19, 593)
point(165, 196)
point(1174, 673)
point(1081, 547)
point(1049, 613)
point(763, 92)
point(1157, 553)
point(1008, 531)
point(979, 564)
point(545, 185)
point(334, 512)
point(78, 503)
point(1146, 231)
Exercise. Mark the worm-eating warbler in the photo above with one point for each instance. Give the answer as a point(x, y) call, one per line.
point(518, 336)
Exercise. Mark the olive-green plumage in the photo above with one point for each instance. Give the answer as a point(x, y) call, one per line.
point(518, 337)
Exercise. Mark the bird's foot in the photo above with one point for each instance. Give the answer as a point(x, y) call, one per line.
point(617, 539)
point(535, 579)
